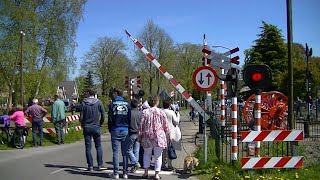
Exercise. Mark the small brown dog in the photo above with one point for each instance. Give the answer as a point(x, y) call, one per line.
point(190, 163)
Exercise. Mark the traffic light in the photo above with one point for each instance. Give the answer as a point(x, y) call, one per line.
point(141, 93)
point(204, 61)
point(232, 82)
point(257, 76)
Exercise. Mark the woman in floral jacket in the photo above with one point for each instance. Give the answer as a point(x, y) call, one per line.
point(153, 134)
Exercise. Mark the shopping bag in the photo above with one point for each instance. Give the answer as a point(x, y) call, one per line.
point(171, 151)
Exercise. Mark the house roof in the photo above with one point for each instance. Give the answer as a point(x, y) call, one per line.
point(69, 88)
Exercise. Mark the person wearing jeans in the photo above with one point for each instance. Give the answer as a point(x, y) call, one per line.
point(59, 118)
point(90, 109)
point(36, 112)
point(119, 118)
point(153, 134)
point(132, 139)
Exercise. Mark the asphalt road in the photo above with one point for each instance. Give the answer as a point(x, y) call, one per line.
point(68, 162)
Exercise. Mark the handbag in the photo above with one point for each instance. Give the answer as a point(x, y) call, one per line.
point(171, 151)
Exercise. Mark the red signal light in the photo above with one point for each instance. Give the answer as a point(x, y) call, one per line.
point(257, 76)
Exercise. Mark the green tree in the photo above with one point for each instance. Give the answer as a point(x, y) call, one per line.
point(187, 61)
point(50, 28)
point(269, 49)
point(160, 45)
point(108, 63)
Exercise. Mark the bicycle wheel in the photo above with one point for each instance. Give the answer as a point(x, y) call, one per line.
point(4, 136)
point(18, 140)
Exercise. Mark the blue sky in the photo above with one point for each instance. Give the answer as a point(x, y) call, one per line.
point(229, 23)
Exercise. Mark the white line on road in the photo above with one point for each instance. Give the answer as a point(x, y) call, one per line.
point(58, 170)
point(142, 171)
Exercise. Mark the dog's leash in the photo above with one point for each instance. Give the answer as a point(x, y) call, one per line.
point(184, 149)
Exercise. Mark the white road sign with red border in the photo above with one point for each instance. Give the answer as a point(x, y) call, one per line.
point(205, 78)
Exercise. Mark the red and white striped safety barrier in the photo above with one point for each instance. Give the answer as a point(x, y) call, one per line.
point(273, 136)
point(53, 131)
point(222, 102)
point(172, 80)
point(44, 119)
point(49, 119)
point(72, 118)
point(271, 162)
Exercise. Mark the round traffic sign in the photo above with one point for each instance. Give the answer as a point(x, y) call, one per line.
point(205, 78)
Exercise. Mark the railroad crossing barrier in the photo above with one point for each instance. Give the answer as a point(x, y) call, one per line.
point(52, 130)
point(272, 136)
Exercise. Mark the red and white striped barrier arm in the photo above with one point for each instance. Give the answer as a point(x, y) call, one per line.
point(234, 128)
point(257, 119)
point(272, 162)
point(272, 136)
point(172, 80)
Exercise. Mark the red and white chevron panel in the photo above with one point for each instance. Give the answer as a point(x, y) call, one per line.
point(271, 162)
point(72, 118)
point(272, 136)
point(172, 80)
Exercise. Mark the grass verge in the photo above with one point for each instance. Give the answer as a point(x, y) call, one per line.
point(50, 139)
point(214, 169)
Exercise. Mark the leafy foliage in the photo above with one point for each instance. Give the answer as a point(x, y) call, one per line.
point(269, 49)
point(107, 63)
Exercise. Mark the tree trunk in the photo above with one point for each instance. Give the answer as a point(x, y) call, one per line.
point(9, 104)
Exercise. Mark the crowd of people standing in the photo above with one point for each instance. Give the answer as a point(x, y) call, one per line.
point(133, 129)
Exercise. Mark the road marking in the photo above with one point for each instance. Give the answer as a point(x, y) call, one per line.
point(58, 170)
point(142, 171)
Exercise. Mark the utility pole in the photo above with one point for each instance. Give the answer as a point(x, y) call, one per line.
point(290, 65)
point(21, 67)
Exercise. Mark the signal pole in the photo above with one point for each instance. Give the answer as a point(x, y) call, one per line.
point(308, 76)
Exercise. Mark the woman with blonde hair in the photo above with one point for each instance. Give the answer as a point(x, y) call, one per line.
point(153, 135)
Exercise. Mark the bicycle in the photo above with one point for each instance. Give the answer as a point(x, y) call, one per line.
point(4, 135)
point(19, 137)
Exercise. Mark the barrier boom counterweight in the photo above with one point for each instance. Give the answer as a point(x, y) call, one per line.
point(172, 80)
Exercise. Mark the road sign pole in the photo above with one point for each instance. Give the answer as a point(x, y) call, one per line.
point(207, 106)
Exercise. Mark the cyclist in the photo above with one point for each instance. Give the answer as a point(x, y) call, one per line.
point(18, 118)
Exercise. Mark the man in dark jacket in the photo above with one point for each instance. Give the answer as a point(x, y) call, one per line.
point(132, 139)
point(118, 122)
point(90, 109)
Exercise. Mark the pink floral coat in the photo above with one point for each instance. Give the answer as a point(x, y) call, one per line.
point(154, 128)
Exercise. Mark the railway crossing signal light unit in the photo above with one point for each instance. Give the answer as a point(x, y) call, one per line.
point(257, 77)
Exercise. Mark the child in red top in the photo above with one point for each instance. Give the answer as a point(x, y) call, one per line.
point(18, 117)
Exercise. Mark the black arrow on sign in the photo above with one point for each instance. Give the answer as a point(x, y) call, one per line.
point(201, 80)
point(208, 76)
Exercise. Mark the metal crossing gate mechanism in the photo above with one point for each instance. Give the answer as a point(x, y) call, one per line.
point(273, 111)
